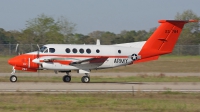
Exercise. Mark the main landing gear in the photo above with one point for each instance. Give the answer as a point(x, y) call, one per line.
point(84, 79)
point(67, 78)
point(13, 78)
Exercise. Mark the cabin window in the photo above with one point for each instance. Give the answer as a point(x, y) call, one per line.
point(67, 50)
point(74, 50)
point(51, 50)
point(97, 50)
point(88, 51)
point(81, 51)
point(119, 51)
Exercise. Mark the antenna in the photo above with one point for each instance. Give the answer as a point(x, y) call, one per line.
point(98, 42)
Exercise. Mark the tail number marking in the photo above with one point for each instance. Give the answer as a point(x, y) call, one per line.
point(118, 60)
point(173, 31)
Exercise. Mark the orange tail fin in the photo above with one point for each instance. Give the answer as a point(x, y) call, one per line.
point(163, 40)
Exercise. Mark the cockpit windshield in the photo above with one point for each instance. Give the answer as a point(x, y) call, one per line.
point(43, 48)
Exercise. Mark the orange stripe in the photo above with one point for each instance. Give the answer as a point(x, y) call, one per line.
point(79, 56)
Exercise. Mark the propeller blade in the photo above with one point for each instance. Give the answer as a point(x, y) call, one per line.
point(38, 47)
point(16, 47)
point(38, 54)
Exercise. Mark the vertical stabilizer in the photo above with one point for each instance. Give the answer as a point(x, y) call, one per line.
point(163, 40)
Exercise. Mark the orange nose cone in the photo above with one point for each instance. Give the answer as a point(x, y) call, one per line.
point(11, 61)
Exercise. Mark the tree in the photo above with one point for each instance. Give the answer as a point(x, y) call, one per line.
point(105, 37)
point(45, 29)
point(188, 35)
point(66, 28)
point(187, 15)
point(128, 36)
point(3, 38)
point(108, 38)
point(141, 35)
point(7, 37)
point(96, 34)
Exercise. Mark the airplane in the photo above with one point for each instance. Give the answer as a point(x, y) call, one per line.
point(84, 58)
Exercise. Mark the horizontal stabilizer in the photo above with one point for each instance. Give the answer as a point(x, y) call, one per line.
point(146, 59)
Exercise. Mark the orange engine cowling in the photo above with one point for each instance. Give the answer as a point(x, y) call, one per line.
point(25, 69)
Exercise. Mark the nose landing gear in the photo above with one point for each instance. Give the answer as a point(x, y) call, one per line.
point(13, 78)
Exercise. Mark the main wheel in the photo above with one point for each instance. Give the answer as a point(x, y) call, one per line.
point(66, 78)
point(85, 79)
point(13, 78)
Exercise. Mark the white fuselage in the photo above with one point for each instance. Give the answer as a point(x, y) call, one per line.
point(116, 55)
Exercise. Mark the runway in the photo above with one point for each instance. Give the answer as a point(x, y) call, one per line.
point(61, 87)
point(99, 87)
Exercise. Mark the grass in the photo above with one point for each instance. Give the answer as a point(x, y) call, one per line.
point(100, 102)
point(5, 67)
point(178, 64)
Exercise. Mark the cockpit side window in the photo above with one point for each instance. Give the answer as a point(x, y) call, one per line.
point(43, 48)
point(46, 51)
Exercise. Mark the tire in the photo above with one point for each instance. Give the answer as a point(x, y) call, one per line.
point(85, 79)
point(66, 78)
point(13, 78)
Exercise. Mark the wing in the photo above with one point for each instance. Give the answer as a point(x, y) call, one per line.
point(71, 61)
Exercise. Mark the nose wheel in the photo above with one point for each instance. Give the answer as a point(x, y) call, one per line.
point(13, 78)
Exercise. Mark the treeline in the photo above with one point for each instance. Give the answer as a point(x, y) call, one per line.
point(44, 30)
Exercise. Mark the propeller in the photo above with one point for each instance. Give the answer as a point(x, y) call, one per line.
point(13, 69)
point(16, 48)
point(38, 53)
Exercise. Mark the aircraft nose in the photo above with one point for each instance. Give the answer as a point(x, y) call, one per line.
point(12, 61)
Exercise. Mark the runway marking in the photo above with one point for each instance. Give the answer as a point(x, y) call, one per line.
point(94, 91)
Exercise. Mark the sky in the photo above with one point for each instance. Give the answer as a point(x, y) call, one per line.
point(95, 15)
